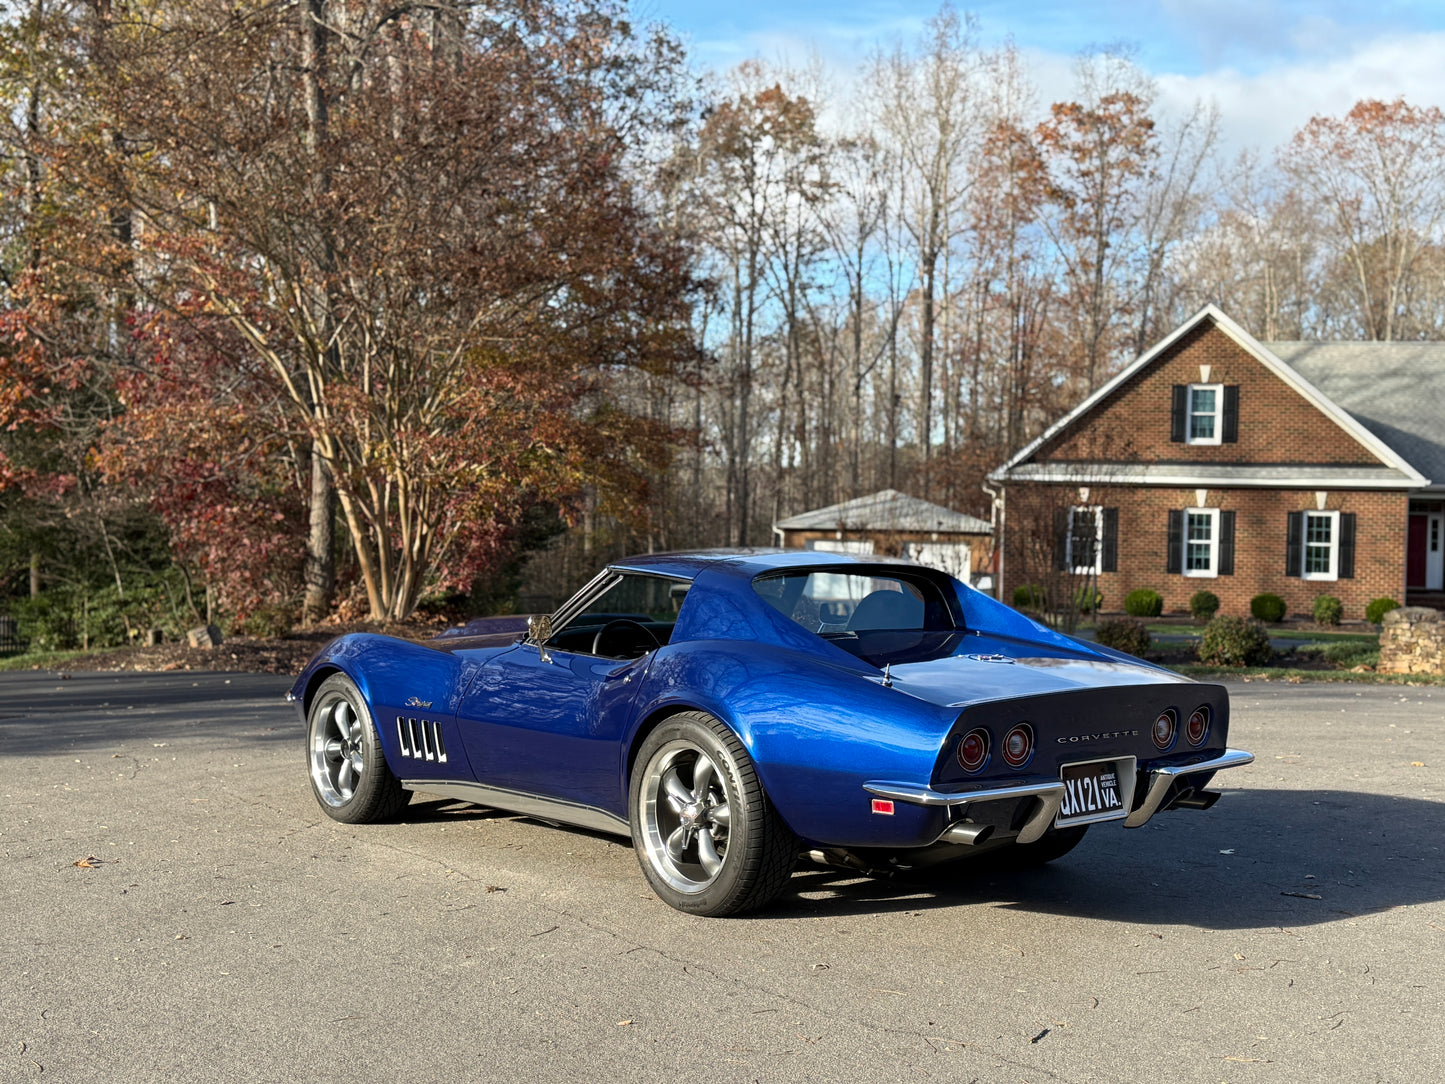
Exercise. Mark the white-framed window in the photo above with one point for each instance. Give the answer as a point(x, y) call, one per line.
point(1201, 542)
point(1204, 419)
point(1321, 546)
point(1085, 540)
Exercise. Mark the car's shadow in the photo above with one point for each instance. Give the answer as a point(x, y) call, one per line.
point(1260, 858)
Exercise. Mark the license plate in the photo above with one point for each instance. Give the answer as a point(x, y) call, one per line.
point(1093, 791)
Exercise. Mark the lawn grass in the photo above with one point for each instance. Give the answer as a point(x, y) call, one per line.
point(44, 660)
point(1295, 677)
point(1288, 633)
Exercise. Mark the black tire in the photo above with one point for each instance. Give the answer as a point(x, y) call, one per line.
point(1055, 843)
point(694, 791)
point(344, 759)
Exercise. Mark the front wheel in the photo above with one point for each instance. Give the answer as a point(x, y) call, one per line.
point(707, 837)
point(348, 769)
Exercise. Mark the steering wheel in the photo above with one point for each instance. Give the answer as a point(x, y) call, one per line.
point(642, 637)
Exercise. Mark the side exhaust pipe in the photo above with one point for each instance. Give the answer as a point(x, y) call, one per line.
point(967, 834)
point(1195, 799)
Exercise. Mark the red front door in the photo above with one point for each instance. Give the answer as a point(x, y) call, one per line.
point(1415, 552)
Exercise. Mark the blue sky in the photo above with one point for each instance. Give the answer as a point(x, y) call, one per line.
point(1268, 64)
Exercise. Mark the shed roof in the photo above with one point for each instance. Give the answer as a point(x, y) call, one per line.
point(1395, 390)
point(888, 510)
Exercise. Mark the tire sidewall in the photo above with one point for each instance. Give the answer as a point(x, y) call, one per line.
point(361, 806)
point(696, 731)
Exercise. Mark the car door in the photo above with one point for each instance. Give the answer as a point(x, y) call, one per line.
point(548, 719)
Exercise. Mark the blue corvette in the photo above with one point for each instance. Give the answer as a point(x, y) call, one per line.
point(730, 710)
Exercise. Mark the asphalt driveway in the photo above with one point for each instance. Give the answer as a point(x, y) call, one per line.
point(175, 907)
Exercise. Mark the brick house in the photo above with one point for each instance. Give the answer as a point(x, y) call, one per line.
point(1219, 462)
point(894, 524)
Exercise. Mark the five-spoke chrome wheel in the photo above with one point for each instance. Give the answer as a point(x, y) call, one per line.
point(707, 837)
point(348, 769)
point(685, 813)
point(337, 757)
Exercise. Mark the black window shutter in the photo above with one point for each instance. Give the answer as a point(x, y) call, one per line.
point(1174, 559)
point(1109, 559)
point(1226, 543)
point(1347, 546)
point(1061, 539)
point(1177, 412)
point(1231, 414)
point(1294, 544)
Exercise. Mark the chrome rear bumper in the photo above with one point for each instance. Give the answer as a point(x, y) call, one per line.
point(1050, 793)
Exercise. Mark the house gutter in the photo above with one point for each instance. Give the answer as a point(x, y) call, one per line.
point(997, 520)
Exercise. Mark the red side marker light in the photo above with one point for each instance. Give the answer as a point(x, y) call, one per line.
point(883, 805)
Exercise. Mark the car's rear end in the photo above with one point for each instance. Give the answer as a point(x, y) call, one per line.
point(1014, 768)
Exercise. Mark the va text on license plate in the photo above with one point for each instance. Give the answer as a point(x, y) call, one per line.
point(1091, 792)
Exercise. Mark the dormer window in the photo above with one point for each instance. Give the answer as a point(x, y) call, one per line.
point(1204, 414)
point(1205, 407)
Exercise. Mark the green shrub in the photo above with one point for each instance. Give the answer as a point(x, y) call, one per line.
point(1377, 609)
point(1267, 607)
point(1328, 610)
point(1123, 634)
point(1029, 596)
point(1144, 602)
point(1233, 641)
point(1086, 601)
point(1203, 604)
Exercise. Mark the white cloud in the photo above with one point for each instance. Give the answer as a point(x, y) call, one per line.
point(1264, 110)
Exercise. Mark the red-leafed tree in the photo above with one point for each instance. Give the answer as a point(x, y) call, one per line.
point(1379, 174)
point(404, 235)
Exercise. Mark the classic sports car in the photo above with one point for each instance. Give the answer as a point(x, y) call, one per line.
point(730, 710)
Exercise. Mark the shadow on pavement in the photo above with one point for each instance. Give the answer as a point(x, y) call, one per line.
point(1261, 863)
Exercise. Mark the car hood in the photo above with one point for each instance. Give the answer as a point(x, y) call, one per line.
point(981, 675)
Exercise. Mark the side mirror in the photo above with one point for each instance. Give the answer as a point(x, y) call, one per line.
point(539, 628)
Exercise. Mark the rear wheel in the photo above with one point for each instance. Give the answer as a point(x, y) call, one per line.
point(348, 770)
point(706, 835)
point(1055, 843)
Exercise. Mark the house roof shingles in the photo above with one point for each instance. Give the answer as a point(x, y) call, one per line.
point(1395, 390)
point(887, 510)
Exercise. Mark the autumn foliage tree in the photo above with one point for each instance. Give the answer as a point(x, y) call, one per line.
point(1376, 176)
point(405, 236)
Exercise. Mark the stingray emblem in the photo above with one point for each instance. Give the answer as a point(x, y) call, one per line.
point(416, 702)
point(991, 658)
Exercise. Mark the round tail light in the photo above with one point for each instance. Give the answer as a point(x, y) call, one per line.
point(1165, 728)
point(973, 750)
point(1018, 745)
point(1197, 729)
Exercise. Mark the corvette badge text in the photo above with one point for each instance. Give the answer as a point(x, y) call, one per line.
point(1097, 737)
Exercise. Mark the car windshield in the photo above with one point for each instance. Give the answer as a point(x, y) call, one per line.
point(881, 617)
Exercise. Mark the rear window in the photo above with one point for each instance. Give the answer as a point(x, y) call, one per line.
point(878, 616)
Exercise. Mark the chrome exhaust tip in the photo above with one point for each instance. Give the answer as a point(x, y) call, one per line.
point(967, 834)
point(1195, 799)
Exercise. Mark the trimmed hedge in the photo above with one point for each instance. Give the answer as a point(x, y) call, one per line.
point(1328, 610)
point(1267, 607)
point(1377, 609)
point(1203, 604)
point(1144, 602)
point(1123, 634)
point(1086, 601)
point(1233, 641)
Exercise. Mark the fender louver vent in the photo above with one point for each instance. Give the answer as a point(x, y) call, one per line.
point(421, 739)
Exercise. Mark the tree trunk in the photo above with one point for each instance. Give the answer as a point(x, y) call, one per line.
point(34, 573)
point(320, 542)
point(321, 536)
